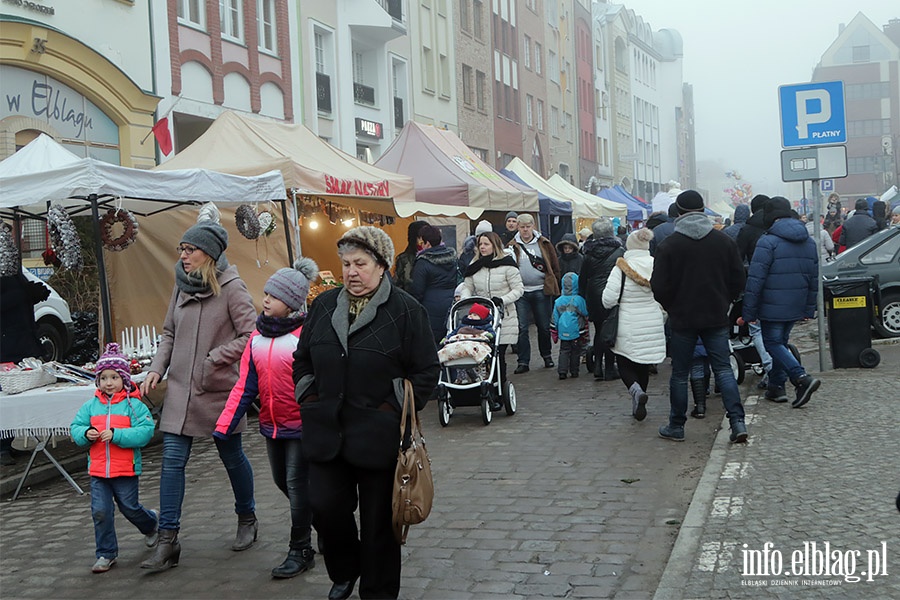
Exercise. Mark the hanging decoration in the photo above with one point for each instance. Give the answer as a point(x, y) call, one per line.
point(109, 222)
point(9, 254)
point(247, 221)
point(266, 222)
point(64, 238)
point(311, 206)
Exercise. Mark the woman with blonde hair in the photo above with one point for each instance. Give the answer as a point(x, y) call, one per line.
point(209, 321)
point(494, 274)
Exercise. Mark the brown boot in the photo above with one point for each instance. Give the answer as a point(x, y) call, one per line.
point(166, 553)
point(248, 527)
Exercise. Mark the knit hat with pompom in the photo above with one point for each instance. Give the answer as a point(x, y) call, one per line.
point(291, 285)
point(113, 360)
point(639, 239)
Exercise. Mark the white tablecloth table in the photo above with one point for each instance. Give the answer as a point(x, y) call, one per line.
point(41, 413)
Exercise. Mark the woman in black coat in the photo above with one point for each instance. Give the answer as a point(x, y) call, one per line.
point(434, 279)
point(358, 344)
point(600, 254)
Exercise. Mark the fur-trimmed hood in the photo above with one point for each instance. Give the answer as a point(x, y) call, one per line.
point(438, 255)
point(633, 275)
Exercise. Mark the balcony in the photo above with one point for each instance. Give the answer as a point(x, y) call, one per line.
point(323, 92)
point(393, 8)
point(363, 94)
point(399, 121)
point(374, 22)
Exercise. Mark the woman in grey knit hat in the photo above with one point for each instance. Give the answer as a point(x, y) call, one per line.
point(358, 344)
point(208, 323)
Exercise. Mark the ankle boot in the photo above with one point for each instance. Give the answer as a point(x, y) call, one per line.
point(166, 553)
point(248, 527)
point(698, 389)
point(298, 560)
point(638, 402)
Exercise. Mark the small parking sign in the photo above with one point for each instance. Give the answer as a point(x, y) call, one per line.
point(812, 114)
point(827, 185)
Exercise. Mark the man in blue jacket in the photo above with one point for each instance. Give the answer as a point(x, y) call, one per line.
point(781, 290)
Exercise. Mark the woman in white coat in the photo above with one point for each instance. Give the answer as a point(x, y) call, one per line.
point(495, 274)
point(641, 338)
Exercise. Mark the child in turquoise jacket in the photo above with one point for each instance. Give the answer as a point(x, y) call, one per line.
point(569, 326)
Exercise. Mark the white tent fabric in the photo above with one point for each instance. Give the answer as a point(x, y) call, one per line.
point(585, 205)
point(45, 171)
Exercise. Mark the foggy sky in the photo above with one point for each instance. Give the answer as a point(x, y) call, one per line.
point(736, 54)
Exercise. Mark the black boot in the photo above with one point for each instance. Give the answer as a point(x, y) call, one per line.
point(166, 553)
point(611, 373)
point(698, 389)
point(248, 528)
point(298, 560)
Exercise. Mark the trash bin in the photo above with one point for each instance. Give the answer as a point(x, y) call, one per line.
point(851, 307)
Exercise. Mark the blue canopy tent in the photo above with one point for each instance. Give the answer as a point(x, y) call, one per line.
point(637, 210)
point(554, 216)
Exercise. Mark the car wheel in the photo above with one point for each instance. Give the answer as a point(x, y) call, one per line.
point(889, 324)
point(51, 342)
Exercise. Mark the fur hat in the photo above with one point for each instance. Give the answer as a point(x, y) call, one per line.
point(602, 228)
point(777, 208)
point(585, 232)
point(568, 239)
point(483, 312)
point(639, 239)
point(483, 226)
point(291, 285)
point(511, 215)
point(374, 240)
point(689, 201)
point(758, 203)
point(209, 236)
point(113, 360)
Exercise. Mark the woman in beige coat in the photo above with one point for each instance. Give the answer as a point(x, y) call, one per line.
point(209, 321)
point(495, 274)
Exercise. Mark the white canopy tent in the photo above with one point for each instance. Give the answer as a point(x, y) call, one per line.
point(587, 204)
point(43, 172)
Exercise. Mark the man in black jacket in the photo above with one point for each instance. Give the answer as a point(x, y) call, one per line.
point(753, 228)
point(600, 254)
point(697, 274)
point(859, 226)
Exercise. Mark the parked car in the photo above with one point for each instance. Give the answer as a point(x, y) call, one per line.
point(878, 254)
point(56, 331)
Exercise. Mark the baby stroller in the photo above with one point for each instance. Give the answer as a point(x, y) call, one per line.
point(467, 382)
point(743, 353)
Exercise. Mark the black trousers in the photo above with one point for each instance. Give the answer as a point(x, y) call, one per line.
point(632, 372)
point(370, 552)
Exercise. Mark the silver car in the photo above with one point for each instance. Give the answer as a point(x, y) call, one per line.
point(878, 254)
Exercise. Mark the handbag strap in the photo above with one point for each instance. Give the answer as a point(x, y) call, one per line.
point(622, 287)
point(409, 411)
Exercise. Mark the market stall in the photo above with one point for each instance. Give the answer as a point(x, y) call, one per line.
point(554, 216)
point(637, 210)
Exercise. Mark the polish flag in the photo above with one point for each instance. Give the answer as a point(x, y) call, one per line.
point(163, 136)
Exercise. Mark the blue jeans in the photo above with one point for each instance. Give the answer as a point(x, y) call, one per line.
point(124, 490)
point(775, 335)
point(681, 348)
point(291, 474)
point(176, 451)
point(756, 336)
point(534, 306)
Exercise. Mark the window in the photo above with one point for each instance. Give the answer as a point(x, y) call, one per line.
point(540, 115)
point(568, 125)
point(231, 19)
point(467, 84)
point(477, 12)
point(319, 41)
point(552, 66)
point(537, 58)
point(266, 18)
point(529, 115)
point(884, 253)
point(860, 54)
point(480, 89)
point(193, 12)
point(428, 68)
point(527, 51)
point(869, 127)
point(554, 121)
point(358, 67)
point(464, 15)
point(868, 91)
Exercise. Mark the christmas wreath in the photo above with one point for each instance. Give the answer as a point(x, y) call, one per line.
point(64, 238)
point(247, 222)
point(9, 254)
point(267, 222)
point(129, 229)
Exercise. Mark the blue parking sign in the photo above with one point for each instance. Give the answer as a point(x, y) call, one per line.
point(812, 114)
point(827, 185)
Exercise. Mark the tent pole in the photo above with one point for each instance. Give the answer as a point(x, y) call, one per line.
point(287, 232)
point(101, 273)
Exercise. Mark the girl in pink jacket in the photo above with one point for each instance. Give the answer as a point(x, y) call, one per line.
point(266, 372)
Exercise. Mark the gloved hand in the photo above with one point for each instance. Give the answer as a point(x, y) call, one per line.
point(497, 301)
point(554, 335)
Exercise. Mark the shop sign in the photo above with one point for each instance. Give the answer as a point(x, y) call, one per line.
point(370, 128)
point(355, 187)
point(36, 7)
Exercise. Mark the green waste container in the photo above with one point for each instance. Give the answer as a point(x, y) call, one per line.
point(851, 308)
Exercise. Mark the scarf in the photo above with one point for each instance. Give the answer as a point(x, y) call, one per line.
point(490, 262)
point(191, 283)
point(358, 303)
point(273, 327)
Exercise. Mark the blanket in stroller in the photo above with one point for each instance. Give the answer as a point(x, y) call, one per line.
point(464, 345)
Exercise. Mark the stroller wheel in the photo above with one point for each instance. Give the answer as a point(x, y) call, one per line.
point(509, 398)
point(737, 367)
point(486, 413)
point(445, 411)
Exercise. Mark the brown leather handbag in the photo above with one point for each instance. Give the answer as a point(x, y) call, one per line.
point(413, 484)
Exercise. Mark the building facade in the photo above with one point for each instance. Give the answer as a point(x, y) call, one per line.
point(555, 52)
point(507, 104)
point(474, 89)
point(533, 84)
point(433, 52)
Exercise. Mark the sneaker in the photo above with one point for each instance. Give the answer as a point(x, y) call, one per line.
point(776, 394)
point(738, 432)
point(103, 565)
point(548, 363)
point(520, 369)
point(805, 388)
point(670, 432)
point(152, 538)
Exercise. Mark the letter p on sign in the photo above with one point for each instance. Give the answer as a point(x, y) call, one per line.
point(807, 102)
point(812, 114)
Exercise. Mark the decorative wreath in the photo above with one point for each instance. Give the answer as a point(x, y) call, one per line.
point(129, 229)
point(266, 222)
point(64, 238)
point(247, 221)
point(9, 254)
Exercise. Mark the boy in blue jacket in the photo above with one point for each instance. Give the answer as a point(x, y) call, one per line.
point(116, 425)
point(569, 326)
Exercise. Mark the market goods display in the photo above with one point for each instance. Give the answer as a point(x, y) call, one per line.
point(9, 254)
point(108, 224)
point(64, 238)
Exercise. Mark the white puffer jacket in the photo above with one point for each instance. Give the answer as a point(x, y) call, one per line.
point(505, 283)
point(641, 336)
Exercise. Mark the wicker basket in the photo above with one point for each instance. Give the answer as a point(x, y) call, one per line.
point(15, 382)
